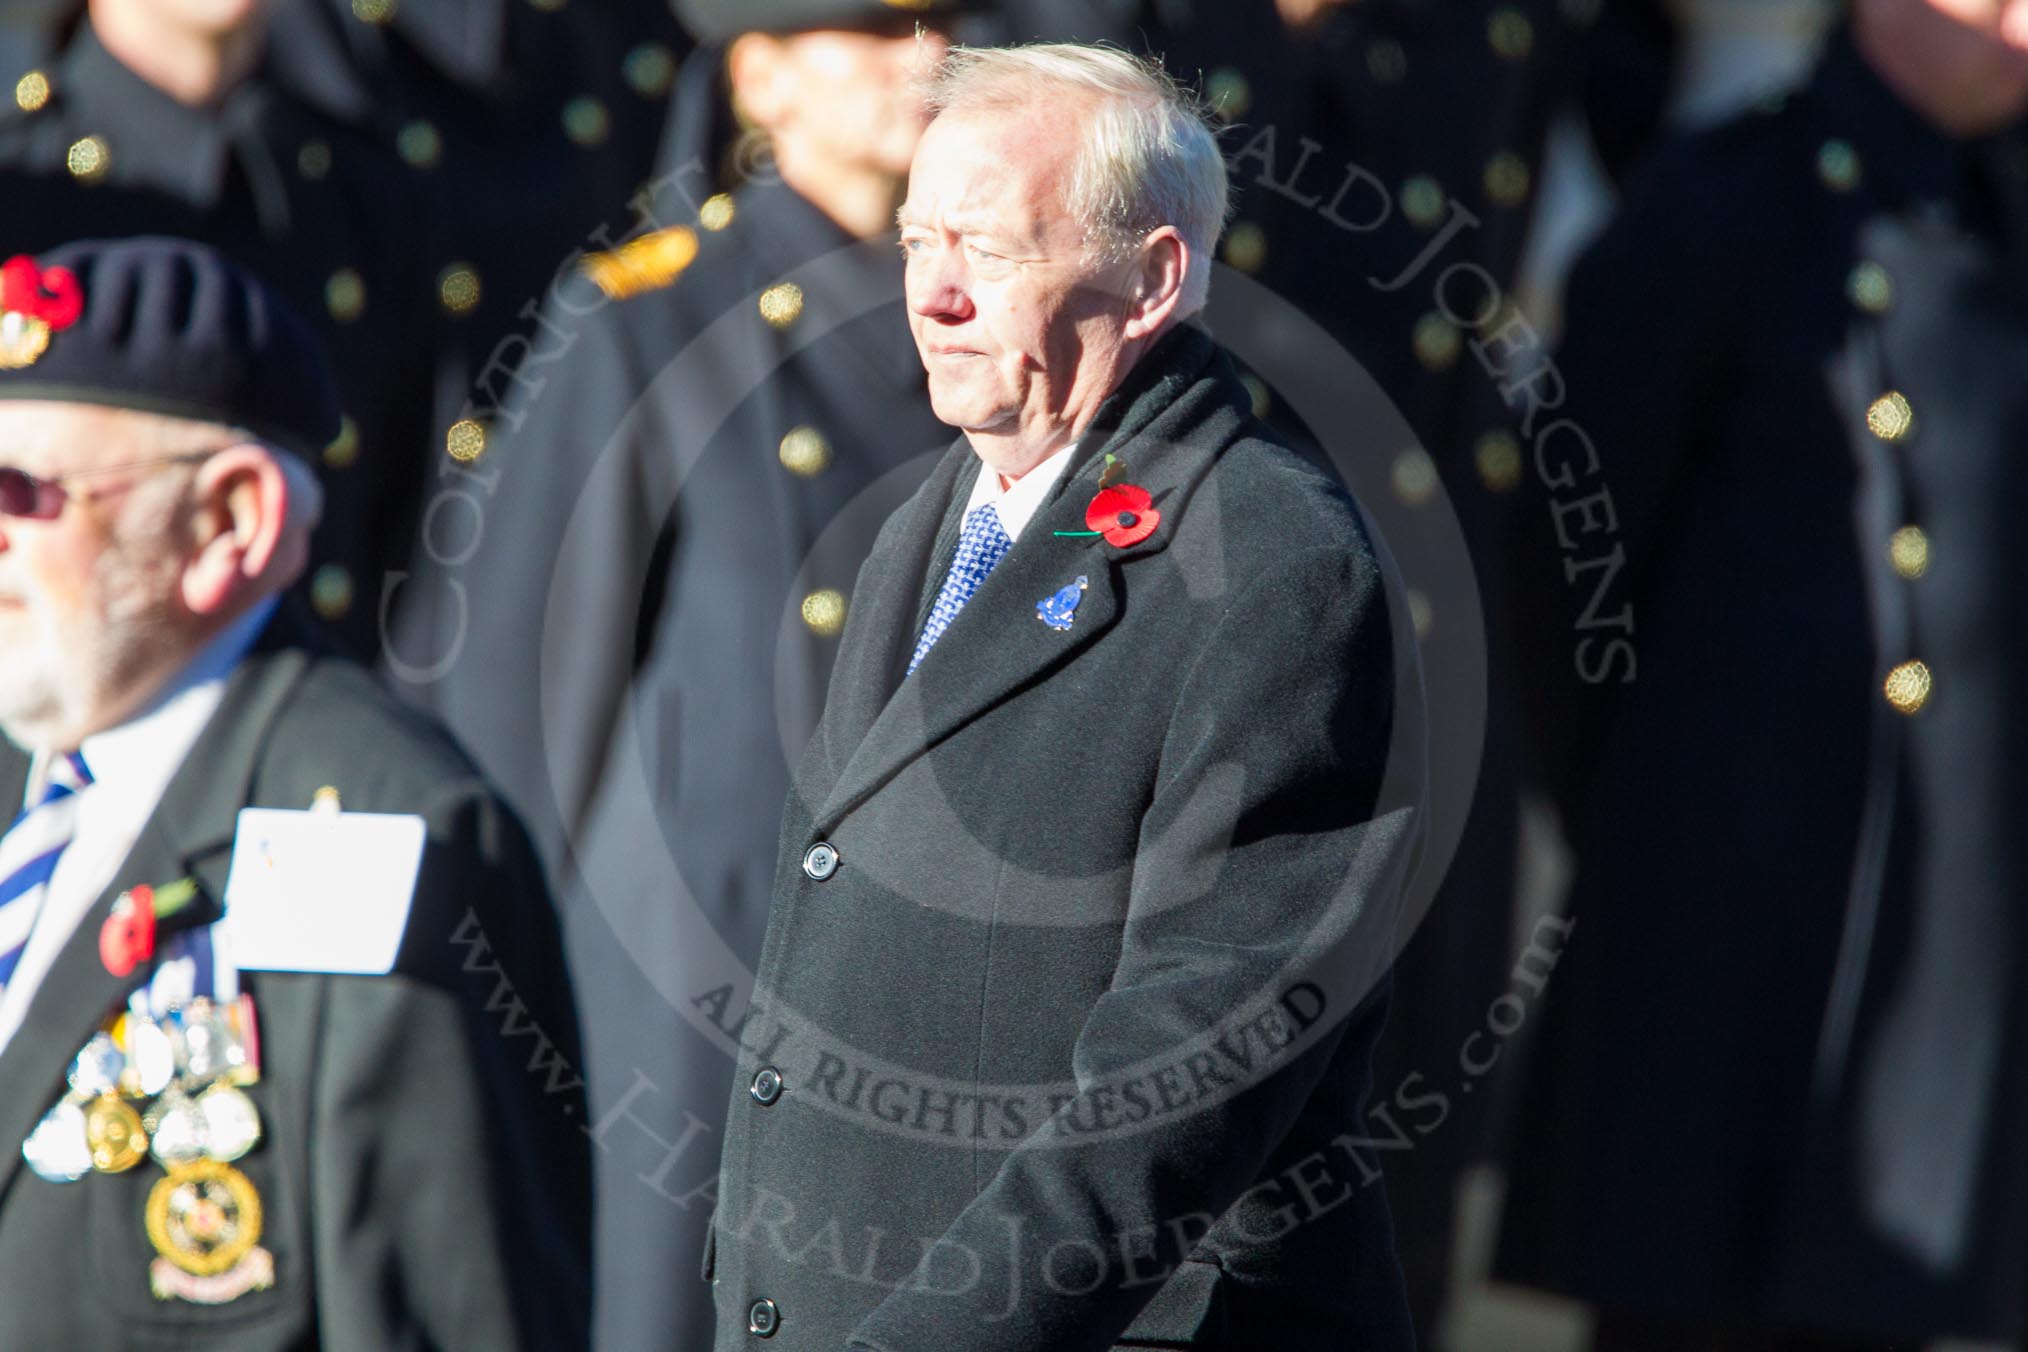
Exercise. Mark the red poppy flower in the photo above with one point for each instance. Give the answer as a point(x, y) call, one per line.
point(52, 296)
point(1122, 515)
point(128, 937)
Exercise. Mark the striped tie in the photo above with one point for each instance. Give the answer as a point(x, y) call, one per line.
point(28, 855)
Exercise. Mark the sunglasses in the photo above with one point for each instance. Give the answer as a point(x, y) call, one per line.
point(24, 495)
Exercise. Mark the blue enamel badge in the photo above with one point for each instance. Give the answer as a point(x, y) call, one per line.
point(1057, 611)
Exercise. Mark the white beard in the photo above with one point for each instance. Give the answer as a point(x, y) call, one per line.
point(58, 666)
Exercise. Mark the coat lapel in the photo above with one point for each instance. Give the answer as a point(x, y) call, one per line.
point(189, 836)
point(998, 644)
point(870, 655)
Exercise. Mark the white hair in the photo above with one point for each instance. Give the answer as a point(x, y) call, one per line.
point(1146, 158)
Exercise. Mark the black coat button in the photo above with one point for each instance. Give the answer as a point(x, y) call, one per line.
point(767, 1086)
point(762, 1319)
point(821, 862)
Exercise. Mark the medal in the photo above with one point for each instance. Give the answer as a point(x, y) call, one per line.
point(177, 1134)
point(96, 1069)
point(151, 1058)
point(204, 1219)
point(232, 1125)
point(56, 1149)
point(114, 1135)
point(207, 1049)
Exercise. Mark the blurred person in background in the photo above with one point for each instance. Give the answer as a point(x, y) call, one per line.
point(271, 1077)
point(717, 417)
point(411, 176)
point(1778, 609)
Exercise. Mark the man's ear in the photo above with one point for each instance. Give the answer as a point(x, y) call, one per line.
point(1155, 287)
point(238, 527)
point(753, 68)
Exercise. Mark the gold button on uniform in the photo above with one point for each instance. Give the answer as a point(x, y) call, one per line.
point(373, 11)
point(1511, 35)
point(1908, 687)
point(31, 92)
point(466, 441)
point(1415, 477)
point(717, 211)
point(345, 295)
point(344, 448)
point(1506, 179)
point(1498, 458)
point(89, 159)
point(1870, 288)
point(458, 289)
point(331, 591)
point(1228, 93)
point(1420, 614)
point(1838, 165)
point(650, 70)
point(1386, 61)
point(1436, 341)
point(1422, 201)
point(586, 121)
point(1890, 418)
point(804, 451)
point(420, 144)
point(824, 612)
point(1246, 246)
point(313, 160)
point(781, 304)
point(1908, 551)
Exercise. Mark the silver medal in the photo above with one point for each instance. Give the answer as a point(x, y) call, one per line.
point(151, 1058)
point(57, 1149)
point(96, 1069)
point(177, 1134)
point(232, 1125)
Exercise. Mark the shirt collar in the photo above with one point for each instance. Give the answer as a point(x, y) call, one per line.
point(156, 141)
point(135, 751)
point(1904, 161)
point(1016, 505)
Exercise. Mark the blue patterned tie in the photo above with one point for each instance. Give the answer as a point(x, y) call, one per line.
point(981, 545)
point(28, 855)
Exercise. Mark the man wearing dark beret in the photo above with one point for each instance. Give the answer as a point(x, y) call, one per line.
point(286, 1049)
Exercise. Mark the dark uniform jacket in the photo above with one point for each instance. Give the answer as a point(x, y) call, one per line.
point(1781, 1074)
point(422, 1174)
point(629, 613)
point(1078, 932)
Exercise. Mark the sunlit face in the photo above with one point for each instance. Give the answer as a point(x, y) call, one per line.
point(1022, 335)
point(88, 598)
point(216, 18)
point(1962, 63)
point(851, 98)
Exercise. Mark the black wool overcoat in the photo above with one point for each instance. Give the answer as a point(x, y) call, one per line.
point(1062, 1029)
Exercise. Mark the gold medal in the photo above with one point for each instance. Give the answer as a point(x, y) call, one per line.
point(114, 1134)
point(204, 1217)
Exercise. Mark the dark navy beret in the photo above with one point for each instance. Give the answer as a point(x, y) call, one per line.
point(723, 20)
point(164, 326)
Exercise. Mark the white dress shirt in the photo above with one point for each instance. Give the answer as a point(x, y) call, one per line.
point(130, 767)
point(1018, 502)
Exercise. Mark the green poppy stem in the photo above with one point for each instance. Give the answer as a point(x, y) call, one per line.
point(173, 897)
point(1085, 533)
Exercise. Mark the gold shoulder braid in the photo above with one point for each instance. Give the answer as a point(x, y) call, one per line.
point(642, 265)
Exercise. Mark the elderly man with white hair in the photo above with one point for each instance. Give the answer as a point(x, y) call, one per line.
point(1062, 1030)
point(286, 1048)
